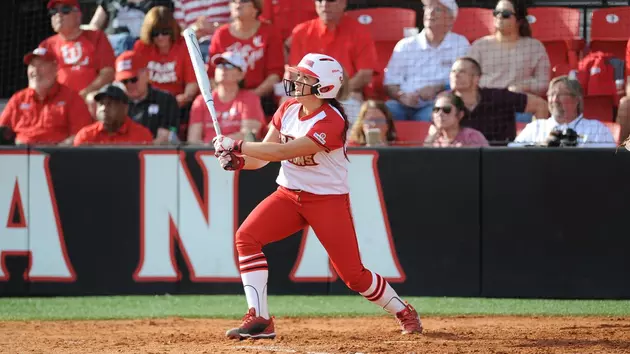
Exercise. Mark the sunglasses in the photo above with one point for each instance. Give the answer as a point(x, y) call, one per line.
point(64, 9)
point(504, 13)
point(163, 32)
point(445, 109)
point(132, 80)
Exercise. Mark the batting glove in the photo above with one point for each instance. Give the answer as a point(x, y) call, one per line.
point(223, 143)
point(231, 162)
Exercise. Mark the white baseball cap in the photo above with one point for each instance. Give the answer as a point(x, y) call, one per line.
point(451, 5)
point(233, 58)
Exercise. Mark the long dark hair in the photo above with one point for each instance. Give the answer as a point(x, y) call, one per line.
point(335, 102)
point(520, 12)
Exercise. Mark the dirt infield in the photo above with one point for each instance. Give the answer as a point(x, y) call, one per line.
point(323, 335)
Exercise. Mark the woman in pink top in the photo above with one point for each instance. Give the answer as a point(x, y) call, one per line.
point(446, 131)
point(238, 111)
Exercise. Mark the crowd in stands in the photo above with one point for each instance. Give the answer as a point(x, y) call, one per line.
point(126, 76)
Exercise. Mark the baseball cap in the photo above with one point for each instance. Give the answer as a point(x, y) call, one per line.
point(128, 64)
point(451, 5)
point(53, 3)
point(113, 91)
point(230, 58)
point(39, 52)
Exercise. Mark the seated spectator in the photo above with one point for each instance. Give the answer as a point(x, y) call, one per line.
point(446, 131)
point(46, 112)
point(85, 58)
point(114, 125)
point(491, 110)
point(286, 14)
point(374, 126)
point(164, 48)
point(155, 109)
point(259, 43)
point(511, 58)
point(122, 19)
point(419, 66)
point(344, 39)
point(238, 111)
point(566, 104)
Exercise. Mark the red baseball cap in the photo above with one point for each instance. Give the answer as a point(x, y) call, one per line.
point(39, 52)
point(53, 3)
point(128, 64)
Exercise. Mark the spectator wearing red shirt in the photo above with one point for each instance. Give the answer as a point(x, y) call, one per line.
point(85, 58)
point(286, 14)
point(238, 110)
point(259, 43)
point(164, 48)
point(114, 125)
point(344, 39)
point(623, 112)
point(46, 112)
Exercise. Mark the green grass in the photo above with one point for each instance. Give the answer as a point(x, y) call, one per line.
point(126, 307)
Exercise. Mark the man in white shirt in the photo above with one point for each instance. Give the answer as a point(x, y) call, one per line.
point(566, 103)
point(419, 67)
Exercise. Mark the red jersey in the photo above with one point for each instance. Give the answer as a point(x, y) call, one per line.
point(350, 43)
point(325, 172)
point(286, 14)
point(129, 133)
point(80, 61)
point(60, 115)
point(168, 72)
point(263, 52)
point(246, 105)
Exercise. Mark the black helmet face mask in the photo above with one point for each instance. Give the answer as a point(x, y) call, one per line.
point(295, 88)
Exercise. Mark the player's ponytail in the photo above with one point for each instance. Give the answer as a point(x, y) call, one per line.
point(335, 102)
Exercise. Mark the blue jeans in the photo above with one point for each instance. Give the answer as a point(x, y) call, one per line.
point(402, 112)
point(121, 42)
point(524, 117)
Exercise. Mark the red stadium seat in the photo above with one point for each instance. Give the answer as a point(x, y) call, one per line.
point(558, 28)
point(411, 132)
point(599, 107)
point(386, 25)
point(474, 23)
point(610, 30)
point(615, 129)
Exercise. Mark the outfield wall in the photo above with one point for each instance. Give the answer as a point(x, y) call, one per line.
point(436, 222)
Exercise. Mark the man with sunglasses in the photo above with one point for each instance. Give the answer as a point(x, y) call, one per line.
point(85, 57)
point(155, 109)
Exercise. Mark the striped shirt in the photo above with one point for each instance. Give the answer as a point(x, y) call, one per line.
point(188, 11)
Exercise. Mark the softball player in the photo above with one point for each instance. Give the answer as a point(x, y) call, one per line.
point(308, 136)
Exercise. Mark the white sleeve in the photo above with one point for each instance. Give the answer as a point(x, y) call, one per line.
point(397, 66)
point(526, 137)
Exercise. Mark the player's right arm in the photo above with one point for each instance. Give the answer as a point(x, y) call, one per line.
point(252, 163)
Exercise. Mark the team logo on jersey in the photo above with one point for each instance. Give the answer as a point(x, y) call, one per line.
point(321, 137)
point(308, 160)
point(72, 53)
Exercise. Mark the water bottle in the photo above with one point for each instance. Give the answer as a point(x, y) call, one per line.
point(172, 136)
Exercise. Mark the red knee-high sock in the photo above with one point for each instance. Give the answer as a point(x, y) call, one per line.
point(382, 294)
point(254, 273)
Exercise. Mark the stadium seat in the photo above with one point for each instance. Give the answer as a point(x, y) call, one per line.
point(474, 23)
point(615, 129)
point(558, 28)
point(599, 107)
point(610, 30)
point(411, 132)
point(386, 25)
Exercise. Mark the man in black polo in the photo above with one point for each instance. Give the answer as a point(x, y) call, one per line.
point(155, 109)
point(491, 111)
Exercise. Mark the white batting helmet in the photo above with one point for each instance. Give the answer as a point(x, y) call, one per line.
point(325, 69)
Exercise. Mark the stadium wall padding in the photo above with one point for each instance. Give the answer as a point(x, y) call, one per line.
point(491, 222)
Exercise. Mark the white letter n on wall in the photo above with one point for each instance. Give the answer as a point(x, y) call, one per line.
point(173, 210)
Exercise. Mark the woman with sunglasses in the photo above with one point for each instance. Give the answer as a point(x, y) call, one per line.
point(446, 131)
point(308, 137)
point(239, 111)
point(164, 48)
point(511, 58)
point(259, 43)
point(374, 125)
